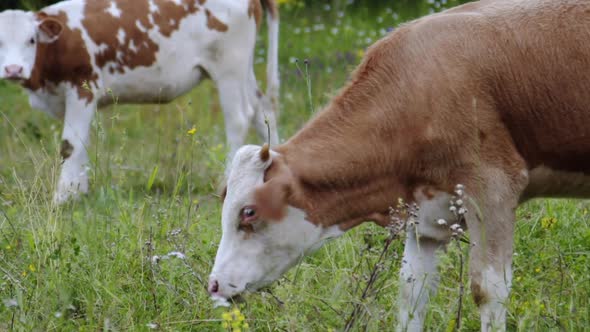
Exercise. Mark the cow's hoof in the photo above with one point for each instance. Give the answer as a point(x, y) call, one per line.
point(69, 191)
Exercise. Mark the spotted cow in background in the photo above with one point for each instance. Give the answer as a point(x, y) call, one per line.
point(68, 55)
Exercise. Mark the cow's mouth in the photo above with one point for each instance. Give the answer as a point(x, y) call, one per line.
point(220, 301)
point(15, 79)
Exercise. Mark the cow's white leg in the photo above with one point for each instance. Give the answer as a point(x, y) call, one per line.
point(491, 266)
point(265, 116)
point(235, 110)
point(491, 227)
point(418, 278)
point(496, 284)
point(73, 179)
point(265, 112)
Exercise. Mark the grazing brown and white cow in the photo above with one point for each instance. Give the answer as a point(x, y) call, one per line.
point(72, 55)
point(493, 95)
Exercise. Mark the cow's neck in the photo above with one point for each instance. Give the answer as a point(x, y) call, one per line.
point(377, 141)
point(350, 162)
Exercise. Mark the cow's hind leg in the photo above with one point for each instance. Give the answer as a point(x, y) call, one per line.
point(73, 179)
point(230, 69)
point(234, 103)
point(264, 112)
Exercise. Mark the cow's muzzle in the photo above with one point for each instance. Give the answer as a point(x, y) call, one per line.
point(13, 72)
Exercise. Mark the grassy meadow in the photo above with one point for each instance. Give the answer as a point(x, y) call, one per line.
point(155, 171)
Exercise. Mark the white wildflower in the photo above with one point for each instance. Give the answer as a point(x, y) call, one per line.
point(176, 254)
point(155, 259)
point(9, 303)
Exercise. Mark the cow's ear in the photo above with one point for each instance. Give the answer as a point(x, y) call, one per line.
point(271, 199)
point(49, 30)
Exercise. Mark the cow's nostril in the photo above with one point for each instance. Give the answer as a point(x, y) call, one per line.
point(213, 286)
point(13, 70)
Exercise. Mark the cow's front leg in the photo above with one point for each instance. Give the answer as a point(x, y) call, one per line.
point(419, 279)
point(73, 179)
point(491, 227)
point(491, 262)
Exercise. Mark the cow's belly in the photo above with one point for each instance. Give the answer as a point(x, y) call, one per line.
point(178, 66)
point(545, 182)
point(158, 84)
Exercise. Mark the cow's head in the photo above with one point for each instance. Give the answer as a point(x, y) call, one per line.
point(262, 235)
point(20, 33)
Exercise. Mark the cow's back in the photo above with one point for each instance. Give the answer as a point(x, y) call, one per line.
point(525, 61)
point(538, 67)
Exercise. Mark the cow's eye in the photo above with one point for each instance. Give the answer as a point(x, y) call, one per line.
point(248, 216)
point(248, 213)
point(32, 41)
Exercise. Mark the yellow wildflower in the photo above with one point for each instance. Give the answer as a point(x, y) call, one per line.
point(360, 53)
point(226, 316)
point(548, 222)
point(24, 274)
point(192, 131)
point(538, 270)
point(234, 321)
point(32, 268)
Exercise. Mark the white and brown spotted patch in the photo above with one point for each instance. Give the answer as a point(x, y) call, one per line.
point(255, 10)
point(123, 40)
point(65, 60)
point(214, 23)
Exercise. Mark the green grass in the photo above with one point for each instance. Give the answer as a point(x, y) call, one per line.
point(87, 265)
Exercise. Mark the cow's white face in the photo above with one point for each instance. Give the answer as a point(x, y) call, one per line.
point(20, 32)
point(256, 250)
